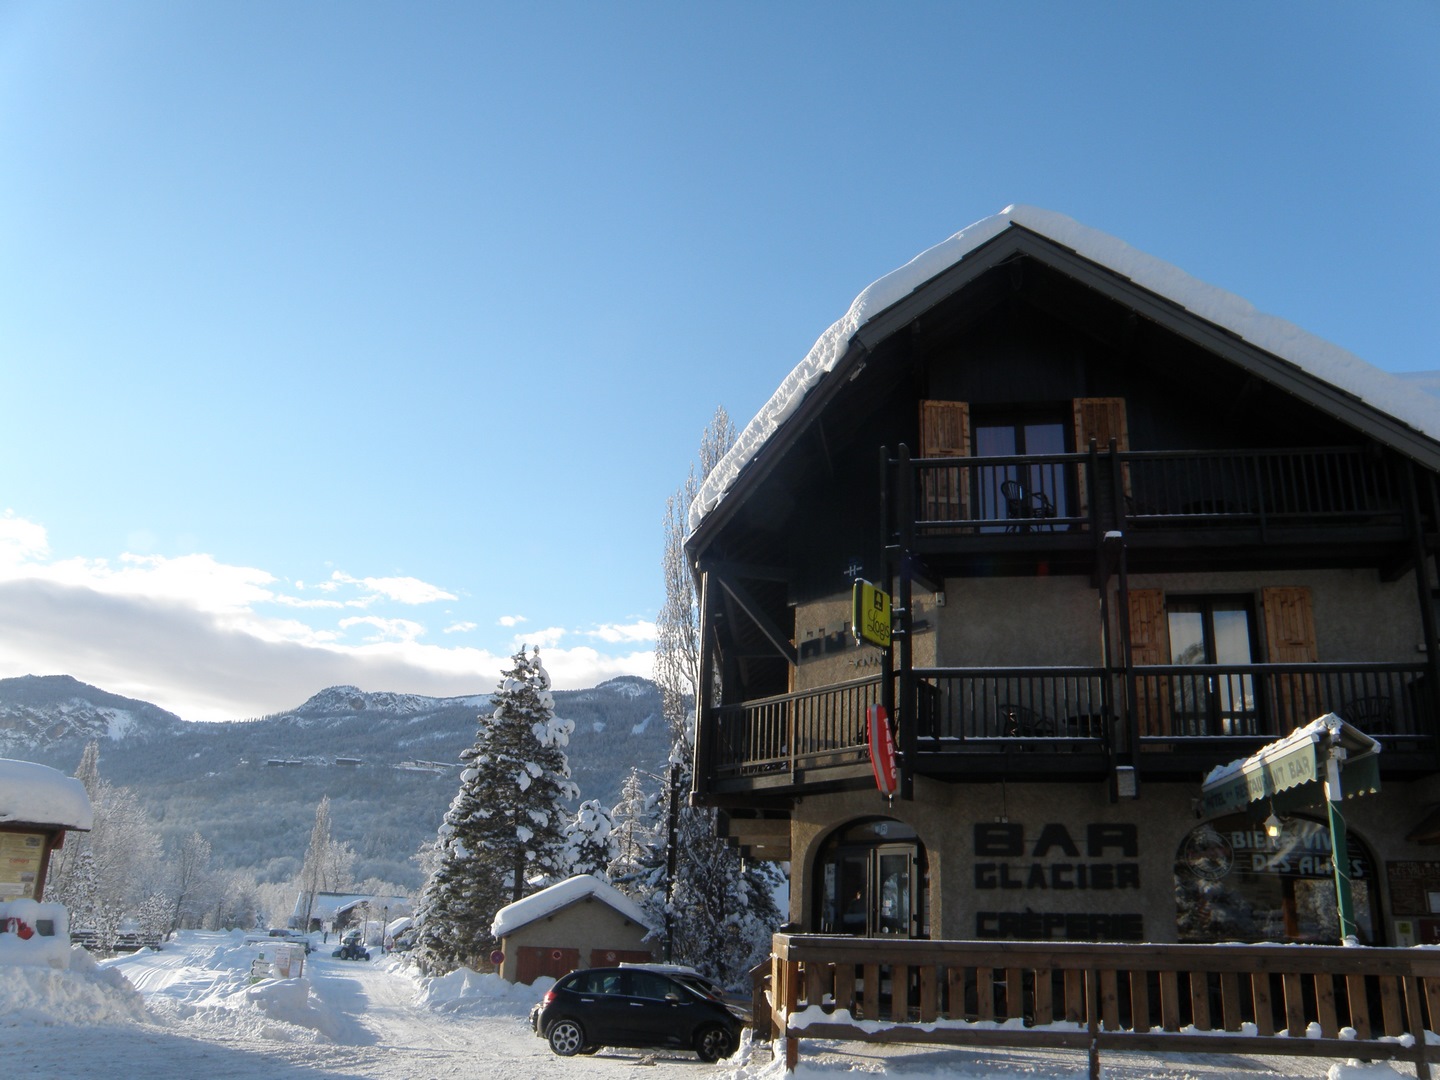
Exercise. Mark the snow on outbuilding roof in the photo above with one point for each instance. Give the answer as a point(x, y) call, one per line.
point(39, 795)
point(1319, 358)
point(561, 895)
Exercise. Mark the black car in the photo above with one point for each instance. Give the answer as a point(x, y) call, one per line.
point(598, 1007)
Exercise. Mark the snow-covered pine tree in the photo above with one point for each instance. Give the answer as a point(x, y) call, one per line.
point(639, 839)
point(504, 834)
point(590, 841)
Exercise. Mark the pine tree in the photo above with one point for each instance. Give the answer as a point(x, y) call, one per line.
point(504, 834)
point(590, 841)
point(639, 840)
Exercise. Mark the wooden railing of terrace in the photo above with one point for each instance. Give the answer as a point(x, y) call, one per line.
point(1326, 1001)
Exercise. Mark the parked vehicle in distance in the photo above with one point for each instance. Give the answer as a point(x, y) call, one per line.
point(351, 948)
point(635, 1007)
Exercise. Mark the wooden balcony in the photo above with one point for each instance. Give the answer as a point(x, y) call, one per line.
point(969, 723)
point(1053, 501)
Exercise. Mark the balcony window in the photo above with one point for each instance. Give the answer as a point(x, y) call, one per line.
point(1213, 630)
point(1021, 493)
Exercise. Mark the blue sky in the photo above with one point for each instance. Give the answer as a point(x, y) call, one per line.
point(361, 342)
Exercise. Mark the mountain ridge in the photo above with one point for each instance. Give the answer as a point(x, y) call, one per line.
point(387, 761)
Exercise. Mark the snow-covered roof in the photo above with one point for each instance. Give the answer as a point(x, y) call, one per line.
point(1319, 358)
point(329, 905)
point(561, 895)
point(40, 795)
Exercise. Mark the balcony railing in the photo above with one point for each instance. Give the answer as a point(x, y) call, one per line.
point(959, 710)
point(792, 731)
point(1052, 493)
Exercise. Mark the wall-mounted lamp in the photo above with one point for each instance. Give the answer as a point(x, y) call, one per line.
point(1272, 825)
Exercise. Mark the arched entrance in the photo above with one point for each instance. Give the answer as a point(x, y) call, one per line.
point(1233, 882)
point(872, 880)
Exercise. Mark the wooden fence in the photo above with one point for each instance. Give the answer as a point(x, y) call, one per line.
point(1292, 1000)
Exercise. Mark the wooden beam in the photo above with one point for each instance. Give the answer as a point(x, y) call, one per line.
point(762, 621)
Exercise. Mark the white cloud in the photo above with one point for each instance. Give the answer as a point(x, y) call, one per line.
point(385, 629)
point(404, 590)
point(206, 640)
point(542, 638)
point(510, 620)
point(460, 628)
point(640, 630)
point(20, 541)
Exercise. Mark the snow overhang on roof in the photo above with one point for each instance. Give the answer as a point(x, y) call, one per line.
point(561, 895)
point(1319, 359)
point(39, 795)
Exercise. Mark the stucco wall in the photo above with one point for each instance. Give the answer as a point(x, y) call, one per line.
point(827, 650)
point(969, 886)
point(589, 925)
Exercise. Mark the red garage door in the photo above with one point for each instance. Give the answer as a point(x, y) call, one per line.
point(537, 960)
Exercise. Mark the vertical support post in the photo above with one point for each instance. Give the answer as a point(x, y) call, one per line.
point(1428, 620)
point(1339, 848)
point(705, 719)
point(905, 718)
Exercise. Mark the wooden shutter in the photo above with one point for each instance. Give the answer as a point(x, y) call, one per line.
point(945, 432)
point(1101, 419)
point(1290, 639)
point(1150, 644)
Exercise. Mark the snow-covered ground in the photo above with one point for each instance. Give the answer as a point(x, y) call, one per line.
point(190, 1012)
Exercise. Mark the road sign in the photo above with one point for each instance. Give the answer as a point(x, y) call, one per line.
point(870, 614)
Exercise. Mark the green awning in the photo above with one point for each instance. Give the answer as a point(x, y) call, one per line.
point(1290, 772)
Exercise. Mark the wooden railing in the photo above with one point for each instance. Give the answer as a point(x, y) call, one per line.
point(780, 734)
point(962, 709)
point(1049, 493)
point(1390, 701)
point(1249, 999)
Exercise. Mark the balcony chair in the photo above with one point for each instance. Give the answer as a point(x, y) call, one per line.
point(1372, 715)
point(1016, 721)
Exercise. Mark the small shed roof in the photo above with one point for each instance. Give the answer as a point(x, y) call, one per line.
point(39, 795)
point(561, 895)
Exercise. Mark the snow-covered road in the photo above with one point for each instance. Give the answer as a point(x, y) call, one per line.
point(190, 1012)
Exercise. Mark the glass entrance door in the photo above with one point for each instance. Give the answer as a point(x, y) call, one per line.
point(872, 883)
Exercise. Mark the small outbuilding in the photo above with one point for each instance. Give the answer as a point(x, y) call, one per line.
point(579, 922)
point(37, 805)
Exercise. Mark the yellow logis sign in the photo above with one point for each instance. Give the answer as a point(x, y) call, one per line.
point(870, 614)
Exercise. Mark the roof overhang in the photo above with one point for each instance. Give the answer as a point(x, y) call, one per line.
point(1211, 319)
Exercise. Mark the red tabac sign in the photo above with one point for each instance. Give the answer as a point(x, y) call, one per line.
point(882, 751)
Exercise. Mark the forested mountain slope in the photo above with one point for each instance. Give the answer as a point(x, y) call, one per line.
point(387, 762)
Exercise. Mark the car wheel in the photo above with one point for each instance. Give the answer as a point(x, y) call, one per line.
point(713, 1043)
point(594, 1048)
point(566, 1038)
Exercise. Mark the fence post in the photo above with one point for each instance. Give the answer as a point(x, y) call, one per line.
point(1092, 1018)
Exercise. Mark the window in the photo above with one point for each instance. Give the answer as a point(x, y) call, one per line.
point(1213, 631)
point(1024, 493)
point(1235, 883)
